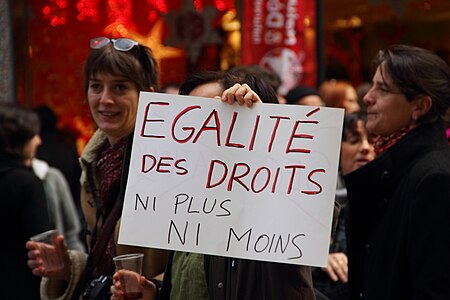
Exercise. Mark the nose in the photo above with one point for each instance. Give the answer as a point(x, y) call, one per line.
point(106, 96)
point(366, 147)
point(368, 97)
point(38, 140)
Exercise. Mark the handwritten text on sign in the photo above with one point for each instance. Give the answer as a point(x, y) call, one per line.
point(222, 179)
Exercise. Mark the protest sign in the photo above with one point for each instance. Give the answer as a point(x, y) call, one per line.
point(213, 178)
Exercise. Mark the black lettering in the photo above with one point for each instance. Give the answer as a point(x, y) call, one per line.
point(249, 232)
point(181, 238)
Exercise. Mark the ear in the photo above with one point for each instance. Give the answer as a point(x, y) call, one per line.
point(151, 89)
point(422, 106)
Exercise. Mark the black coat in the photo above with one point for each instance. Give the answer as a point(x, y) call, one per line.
point(243, 279)
point(399, 220)
point(23, 213)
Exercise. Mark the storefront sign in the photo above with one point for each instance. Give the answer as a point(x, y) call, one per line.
point(281, 36)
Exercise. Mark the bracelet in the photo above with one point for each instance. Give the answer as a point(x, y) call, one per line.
point(158, 284)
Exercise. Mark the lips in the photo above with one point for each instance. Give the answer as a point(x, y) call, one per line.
point(362, 161)
point(108, 113)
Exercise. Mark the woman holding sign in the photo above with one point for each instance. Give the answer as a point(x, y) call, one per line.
point(192, 276)
point(115, 71)
point(399, 235)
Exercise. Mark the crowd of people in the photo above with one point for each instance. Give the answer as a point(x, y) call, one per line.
point(392, 235)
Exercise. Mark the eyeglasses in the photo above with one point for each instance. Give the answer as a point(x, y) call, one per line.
point(121, 44)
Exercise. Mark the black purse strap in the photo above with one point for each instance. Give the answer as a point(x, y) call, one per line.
point(108, 227)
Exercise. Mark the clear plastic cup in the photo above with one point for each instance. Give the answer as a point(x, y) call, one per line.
point(131, 264)
point(51, 260)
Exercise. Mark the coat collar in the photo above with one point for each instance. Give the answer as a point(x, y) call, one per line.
point(396, 160)
point(90, 152)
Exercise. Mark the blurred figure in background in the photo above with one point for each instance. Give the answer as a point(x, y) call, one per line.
point(447, 125)
point(340, 94)
point(170, 88)
point(62, 211)
point(304, 95)
point(271, 78)
point(59, 150)
point(23, 210)
point(362, 90)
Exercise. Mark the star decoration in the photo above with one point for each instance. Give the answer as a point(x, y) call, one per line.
point(192, 30)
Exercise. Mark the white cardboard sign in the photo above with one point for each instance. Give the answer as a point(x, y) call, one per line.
point(209, 177)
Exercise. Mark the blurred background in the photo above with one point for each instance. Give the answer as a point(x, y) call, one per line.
point(45, 42)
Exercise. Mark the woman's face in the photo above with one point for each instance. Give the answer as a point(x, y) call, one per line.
point(356, 149)
point(351, 101)
point(388, 111)
point(30, 148)
point(113, 101)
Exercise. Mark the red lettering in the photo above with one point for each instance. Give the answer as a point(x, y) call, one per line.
point(265, 183)
point(145, 169)
point(182, 170)
point(299, 136)
point(162, 164)
point(314, 182)
point(237, 178)
point(148, 120)
point(291, 180)
point(216, 128)
point(191, 130)
point(210, 172)
point(313, 112)
point(230, 131)
point(275, 128)
point(274, 185)
point(255, 129)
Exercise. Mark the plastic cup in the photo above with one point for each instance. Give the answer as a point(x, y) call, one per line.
point(51, 260)
point(130, 280)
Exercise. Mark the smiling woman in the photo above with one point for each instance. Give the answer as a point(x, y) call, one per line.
point(115, 71)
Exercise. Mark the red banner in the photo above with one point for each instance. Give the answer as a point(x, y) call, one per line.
point(281, 36)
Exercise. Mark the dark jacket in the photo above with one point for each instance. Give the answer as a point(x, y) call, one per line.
point(23, 213)
point(240, 279)
point(399, 236)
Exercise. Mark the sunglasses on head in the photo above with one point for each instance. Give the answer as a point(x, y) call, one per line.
point(122, 44)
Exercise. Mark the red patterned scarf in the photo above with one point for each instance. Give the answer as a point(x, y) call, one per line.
point(110, 167)
point(381, 144)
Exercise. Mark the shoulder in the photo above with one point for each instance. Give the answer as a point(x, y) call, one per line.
point(93, 146)
point(432, 163)
point(22, 176)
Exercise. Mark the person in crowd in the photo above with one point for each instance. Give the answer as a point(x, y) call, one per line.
point(62, 211)
point(59, 150)
point(447, 125)
point(304, 95)
point(197, 276)
point(356, 150)
point(399, 236)
point(170, 88)
point(24, 208)
point(116, 71)
point(340, 94)
point(362, 90)
point(270, 77)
